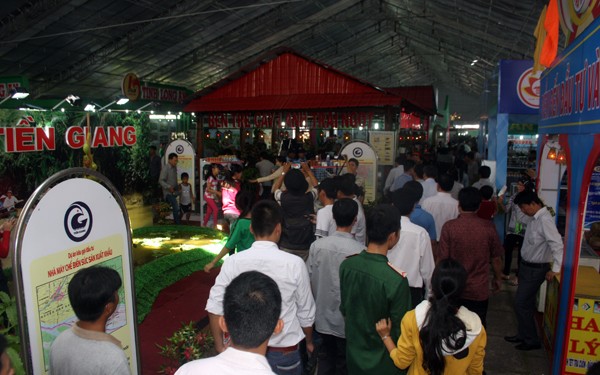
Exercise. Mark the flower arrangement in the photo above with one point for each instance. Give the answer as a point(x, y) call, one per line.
point(186, 344)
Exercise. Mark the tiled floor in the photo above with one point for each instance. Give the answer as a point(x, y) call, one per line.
point(501, 357)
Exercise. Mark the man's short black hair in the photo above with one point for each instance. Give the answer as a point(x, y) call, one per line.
point(486, 192)
point(344, 211)
point(446, 182)
point(266, 214)
point(469, 199)
point(185, 175)
point(152, 147)
point(420, 170)
point(172, 155)
point(382, 220)
point(408, 165)
point(251, 308)
point(485, 171)
point(91, 289)
point(354, 160)
point(527, 197)
point(400, 159)
point(403, 201)
point(430, 171)
point(346, 184)
point(414, 189)
point(328, 186)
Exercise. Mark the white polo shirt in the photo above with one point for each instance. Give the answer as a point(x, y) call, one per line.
point(443, 208)
point(326, 225)
point(231, 362)
point(290, 274)
point(413, 255)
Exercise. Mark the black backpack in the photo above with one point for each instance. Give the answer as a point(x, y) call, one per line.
point(298, 231)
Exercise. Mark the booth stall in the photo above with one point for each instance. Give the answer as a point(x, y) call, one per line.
point(568, 181)
point(285, 99)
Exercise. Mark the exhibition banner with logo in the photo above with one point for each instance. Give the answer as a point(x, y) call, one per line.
point(519, 88)
point(367, 168)
point(75, 219)
point(186, 158)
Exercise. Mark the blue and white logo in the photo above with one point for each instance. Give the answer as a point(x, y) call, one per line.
point(78, 221)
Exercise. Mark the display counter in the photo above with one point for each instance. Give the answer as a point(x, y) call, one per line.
point(583, 332)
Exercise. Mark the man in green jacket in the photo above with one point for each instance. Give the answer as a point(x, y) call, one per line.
point(372, 289)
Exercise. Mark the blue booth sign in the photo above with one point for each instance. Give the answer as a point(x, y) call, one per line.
point(519, 88)
point(571, 89)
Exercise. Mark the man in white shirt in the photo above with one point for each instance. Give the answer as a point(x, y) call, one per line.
point(265, 167)
point(9, 201)
point(251, 309)
point(542, 246)
point(347, 189)
point(429, 185)
point(326, 255)
point(290, 274)
point(442, 206)
point(326, 225)
point(394, 172)
point(412, 253)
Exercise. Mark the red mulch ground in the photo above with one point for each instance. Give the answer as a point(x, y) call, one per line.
point(179, 303)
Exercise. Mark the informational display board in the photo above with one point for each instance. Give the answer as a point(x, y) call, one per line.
point(75, 219)
point(367, 168)
point(384, 143)
point(186, 157)
point(592, 212)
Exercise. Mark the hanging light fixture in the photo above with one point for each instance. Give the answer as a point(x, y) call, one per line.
point(552, 154)
point(561, 157)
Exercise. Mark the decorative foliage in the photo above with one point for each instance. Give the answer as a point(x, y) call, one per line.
point(153, 277)
point(10, 330)
point(186, 344)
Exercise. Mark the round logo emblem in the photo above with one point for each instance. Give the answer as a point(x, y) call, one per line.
point(179, 149)
point(357, 152)
point(528, 88)
point(78, 221)
point(130, 86)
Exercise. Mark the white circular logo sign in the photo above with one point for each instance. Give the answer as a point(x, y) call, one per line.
point(78, 221)
point(528, 88)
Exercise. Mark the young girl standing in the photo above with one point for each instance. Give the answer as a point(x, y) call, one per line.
point(229, 190)
point(211, 193)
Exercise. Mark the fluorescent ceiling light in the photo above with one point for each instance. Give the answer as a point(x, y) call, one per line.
point(19, 93)
point(122, 100)
point(467, 126)
point(474, 62)
point(90, 108)
point(163, 117)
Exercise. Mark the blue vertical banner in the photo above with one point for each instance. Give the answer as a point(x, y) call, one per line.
point(518, 88)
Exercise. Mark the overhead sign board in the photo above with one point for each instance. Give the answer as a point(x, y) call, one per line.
point(519, 88)
point(570, 89)
point(135, 89)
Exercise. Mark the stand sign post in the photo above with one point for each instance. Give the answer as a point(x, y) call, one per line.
point(75, 219)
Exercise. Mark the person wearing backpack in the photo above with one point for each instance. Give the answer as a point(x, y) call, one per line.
point(297, 203)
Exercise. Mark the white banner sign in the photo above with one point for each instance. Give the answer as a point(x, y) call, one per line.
point(186, 158)
point(367, 165)
point(77, 223)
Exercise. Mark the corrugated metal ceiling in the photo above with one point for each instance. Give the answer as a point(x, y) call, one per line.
point(85, 47)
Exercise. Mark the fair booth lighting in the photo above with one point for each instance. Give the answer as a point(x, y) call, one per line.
point(164, 117)
point(467, 126)
point(16, 93)
point(71, 99)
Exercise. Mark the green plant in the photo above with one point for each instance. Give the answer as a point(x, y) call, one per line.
point(10, 330)
point(186, 344)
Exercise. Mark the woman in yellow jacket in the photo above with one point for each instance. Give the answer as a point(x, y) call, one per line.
point(439, 336)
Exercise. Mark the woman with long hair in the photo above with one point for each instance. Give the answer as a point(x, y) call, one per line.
point(439, 336)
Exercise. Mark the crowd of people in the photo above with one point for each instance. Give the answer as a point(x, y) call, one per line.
point(314, 278)
point(404, 284)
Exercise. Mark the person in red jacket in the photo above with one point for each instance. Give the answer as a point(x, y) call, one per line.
point(4, 247)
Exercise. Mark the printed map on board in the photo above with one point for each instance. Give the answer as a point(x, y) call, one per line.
point(55, 310)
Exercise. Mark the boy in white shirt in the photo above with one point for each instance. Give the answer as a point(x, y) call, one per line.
point(251, 305)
